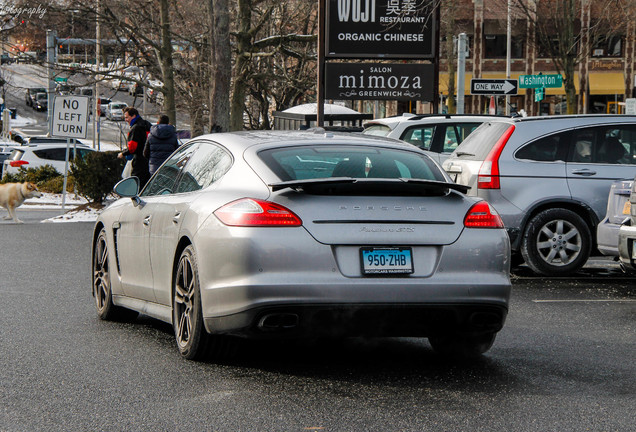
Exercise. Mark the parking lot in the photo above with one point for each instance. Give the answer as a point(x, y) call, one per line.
point(562, 362)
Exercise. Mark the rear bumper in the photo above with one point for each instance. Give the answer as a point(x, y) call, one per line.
point(607, 237)
point(626, 246)
point(339, 320)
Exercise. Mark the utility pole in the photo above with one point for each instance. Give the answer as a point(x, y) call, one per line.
point(461, 71)
point(50, 60)
point(96, 114)
point(508, 47)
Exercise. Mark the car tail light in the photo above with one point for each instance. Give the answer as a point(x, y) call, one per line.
point(488, 177)
point(18, 163)
point(482, 215)
point(254, 212)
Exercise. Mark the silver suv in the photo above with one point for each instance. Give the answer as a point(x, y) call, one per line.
point(438, 134)
point(549, 179)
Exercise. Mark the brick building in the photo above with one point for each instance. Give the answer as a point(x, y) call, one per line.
point(604, 75)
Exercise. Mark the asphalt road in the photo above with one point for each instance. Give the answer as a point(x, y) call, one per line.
point(563, 362)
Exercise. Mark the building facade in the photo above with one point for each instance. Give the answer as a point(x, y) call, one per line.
point(604, 39)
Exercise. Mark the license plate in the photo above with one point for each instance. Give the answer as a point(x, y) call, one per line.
point(387, 260)
point(627, 208)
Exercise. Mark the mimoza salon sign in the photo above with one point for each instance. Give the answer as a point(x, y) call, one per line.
point(381, 29)
point(379, 81)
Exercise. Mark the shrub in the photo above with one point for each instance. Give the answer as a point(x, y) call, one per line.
point(34, 175)
point(56, 184)
point(96, 174)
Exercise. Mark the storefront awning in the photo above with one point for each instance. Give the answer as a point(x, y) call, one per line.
point(608, 83)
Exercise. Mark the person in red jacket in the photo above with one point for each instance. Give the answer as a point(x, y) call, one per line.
point(139, 129)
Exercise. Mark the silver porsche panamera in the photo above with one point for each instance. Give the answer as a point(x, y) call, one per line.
point(295, 234)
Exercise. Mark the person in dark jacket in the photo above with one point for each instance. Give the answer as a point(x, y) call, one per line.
point(161, 142)
point(139, 129)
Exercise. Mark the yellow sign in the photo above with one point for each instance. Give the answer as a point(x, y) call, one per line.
point(627, 208)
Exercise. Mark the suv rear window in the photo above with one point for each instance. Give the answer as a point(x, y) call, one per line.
point(479, 143)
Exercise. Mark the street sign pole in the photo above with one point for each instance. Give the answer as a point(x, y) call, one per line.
point(461, 72)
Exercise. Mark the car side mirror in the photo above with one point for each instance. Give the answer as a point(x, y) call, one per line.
point(128, 187)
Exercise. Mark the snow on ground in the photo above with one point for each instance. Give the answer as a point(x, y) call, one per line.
point(75, 207)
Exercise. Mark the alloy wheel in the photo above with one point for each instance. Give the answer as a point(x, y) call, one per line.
point(184, 301)
point(559, 242)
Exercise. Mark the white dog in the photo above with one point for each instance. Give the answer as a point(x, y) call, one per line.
point(12, 195)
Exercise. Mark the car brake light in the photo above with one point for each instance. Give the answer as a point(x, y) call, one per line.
point(482, 215)
point(488, 177)
point(18, 163)
point(254, 212)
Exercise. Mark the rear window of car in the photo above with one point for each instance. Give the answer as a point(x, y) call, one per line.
point(377, 130)
point(479, 143)
point(311, 162)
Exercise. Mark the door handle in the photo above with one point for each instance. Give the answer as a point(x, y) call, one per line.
point(176, 217)
point(584, 172)
point(147, 220)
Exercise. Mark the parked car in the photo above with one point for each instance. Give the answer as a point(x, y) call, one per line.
point(548, 178)
point(115, 110)
point(152, 91)
point(290, 234)
point(64, 89)
point(84, 91)
point(6, 59)
point(31, 93)
point(136, 89)
point(103, 106)
point(41, 102)
point(438, 133)
point(618, 210)
point(39, 139)
point(627, 235)
point(37, 155)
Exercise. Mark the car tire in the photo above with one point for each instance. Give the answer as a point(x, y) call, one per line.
point(193, 341)
point(455, 345)
point(106, 309)
point(556, 242)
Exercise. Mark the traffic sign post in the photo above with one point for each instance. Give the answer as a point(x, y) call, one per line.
point(70, 120)
point(538, 81)
point(493, 87)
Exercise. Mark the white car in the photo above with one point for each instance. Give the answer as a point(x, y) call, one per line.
point(37, 155)
point(438, 134)
point(115, 110)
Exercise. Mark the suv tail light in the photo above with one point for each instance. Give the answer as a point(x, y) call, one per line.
point(18, 163)
point(482, 215)
point(488, 177)
point(253, 212)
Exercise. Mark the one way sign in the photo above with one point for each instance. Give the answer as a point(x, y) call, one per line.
point(493, 86)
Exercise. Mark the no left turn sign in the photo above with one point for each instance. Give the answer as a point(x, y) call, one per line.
point(70, 117)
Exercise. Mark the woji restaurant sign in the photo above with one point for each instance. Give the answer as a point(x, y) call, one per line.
point(380, 29)
point(379, 81)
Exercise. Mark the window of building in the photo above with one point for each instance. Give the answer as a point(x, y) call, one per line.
point(495, 46)
point(609, 46)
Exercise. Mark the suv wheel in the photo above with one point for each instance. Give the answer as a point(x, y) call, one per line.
point(556, 242)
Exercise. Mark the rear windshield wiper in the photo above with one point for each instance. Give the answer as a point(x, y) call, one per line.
point(437, 186)
point(461, 153)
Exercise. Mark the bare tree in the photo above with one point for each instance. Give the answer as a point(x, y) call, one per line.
point(565, 32)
